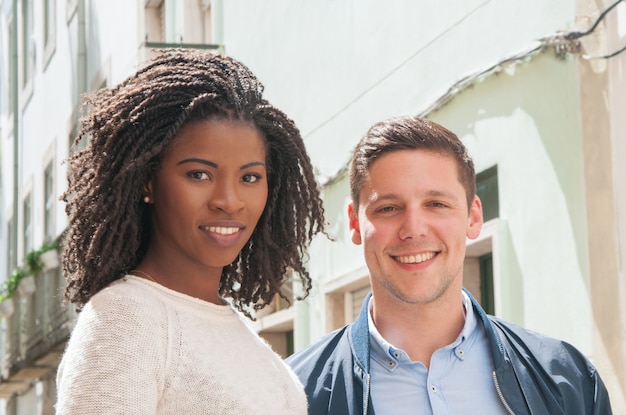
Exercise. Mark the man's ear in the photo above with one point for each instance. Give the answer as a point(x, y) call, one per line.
point(355, 230)
point(475, 223)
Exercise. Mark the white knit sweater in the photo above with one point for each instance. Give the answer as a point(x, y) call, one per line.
point(140, 348)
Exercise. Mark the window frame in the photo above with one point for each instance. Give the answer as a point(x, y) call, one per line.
point(49, 202)
point(27, 223)
point(49, 30)
point(28, 45)
point(491, 205)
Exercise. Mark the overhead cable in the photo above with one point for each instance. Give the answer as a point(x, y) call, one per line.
point(569, 42)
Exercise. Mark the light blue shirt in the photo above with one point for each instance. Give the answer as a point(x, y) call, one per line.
point(459, 381)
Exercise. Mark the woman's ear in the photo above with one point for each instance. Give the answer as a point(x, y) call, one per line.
point(147, 190)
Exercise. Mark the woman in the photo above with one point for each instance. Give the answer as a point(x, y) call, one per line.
point(193, 189)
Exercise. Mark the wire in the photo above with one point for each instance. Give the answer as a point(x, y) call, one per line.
point(569, 42)
point(562, 43)
point(610, 55)
point(576, 35)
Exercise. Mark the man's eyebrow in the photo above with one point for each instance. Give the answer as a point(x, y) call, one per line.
point(377, 197)
point(440, 193)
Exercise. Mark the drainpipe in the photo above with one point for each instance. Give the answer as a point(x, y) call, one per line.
point(82, 53)
point(14, 333)
point(16, 132)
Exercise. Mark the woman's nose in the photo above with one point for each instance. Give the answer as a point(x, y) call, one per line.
point(226, 197)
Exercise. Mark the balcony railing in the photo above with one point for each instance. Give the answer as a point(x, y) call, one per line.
point(149, 50)
point(38, 324)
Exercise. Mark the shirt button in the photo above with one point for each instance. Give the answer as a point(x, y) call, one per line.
point(391, 363)
point(433, 388)
point(460, 352)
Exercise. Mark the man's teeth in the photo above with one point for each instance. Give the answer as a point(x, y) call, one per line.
point(415, 259)
point(222, 230)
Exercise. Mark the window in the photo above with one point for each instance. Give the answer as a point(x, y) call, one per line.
point(290, 343)
point(478, 276)
point(28, 43)
point(49, 200)
point(206, 22)
point(485, 264)
point(49, 29)
point(70, 9)
point(487, 191)
point(12, 74)
point(155, 20)
point(71, 138)
point(183, 22)
point(12, 247)
point(344, 297)
point(356, 300)
point(275, 321)
point(480, 268)
point(27, 230)
point(192, 22)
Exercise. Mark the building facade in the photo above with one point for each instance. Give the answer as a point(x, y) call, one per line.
point(534, 88)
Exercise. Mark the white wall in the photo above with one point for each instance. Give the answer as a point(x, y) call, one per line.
point(336, 66)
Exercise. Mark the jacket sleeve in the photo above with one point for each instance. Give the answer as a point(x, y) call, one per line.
point(553, 376)
point(601, 401)
point(326, 370)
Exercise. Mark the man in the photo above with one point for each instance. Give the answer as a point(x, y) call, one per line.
point(422, 344)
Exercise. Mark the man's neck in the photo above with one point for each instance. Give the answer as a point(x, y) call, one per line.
point(419, 329)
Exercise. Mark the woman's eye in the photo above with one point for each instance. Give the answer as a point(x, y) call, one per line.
point(199, 175)
point(251, 178)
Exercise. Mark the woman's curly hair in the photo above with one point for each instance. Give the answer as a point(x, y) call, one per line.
point(129, 126)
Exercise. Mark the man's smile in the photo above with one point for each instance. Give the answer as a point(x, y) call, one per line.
point(415, 259)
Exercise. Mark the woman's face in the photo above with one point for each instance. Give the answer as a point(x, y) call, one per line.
point(208, 194)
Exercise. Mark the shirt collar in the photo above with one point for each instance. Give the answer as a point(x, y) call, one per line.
point(382, 349)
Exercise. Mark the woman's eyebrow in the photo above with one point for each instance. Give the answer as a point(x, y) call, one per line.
point(215, 165)
point(252, 164)
point(197, 160)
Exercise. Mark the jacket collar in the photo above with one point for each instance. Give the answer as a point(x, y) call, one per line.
point(359, 332)
point(497, 349)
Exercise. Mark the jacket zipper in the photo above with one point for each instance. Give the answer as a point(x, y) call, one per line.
point(499, 391)
point(367, 393)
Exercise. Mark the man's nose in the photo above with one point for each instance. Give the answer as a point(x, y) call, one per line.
point(414, 224)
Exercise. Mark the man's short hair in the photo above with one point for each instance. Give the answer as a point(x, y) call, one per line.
point(409, 133)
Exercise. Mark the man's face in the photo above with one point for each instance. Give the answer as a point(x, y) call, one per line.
point(413, 221)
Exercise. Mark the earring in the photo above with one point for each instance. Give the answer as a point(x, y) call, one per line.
point(146, 199)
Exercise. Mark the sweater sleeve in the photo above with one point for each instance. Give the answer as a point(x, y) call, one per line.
point(116, 357)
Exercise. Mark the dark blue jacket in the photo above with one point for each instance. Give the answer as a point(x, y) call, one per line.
point(533, 374)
